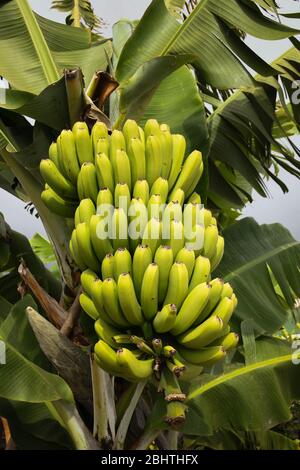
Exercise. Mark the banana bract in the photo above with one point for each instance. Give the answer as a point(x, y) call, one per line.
point(146, 248)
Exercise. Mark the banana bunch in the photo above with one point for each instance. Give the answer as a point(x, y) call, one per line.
point(146, 249)
point(160, 319)
point(134, 163)
point(191, 229)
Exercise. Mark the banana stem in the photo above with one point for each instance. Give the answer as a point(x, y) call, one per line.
point(67, 415)
point(125, 422)
point(173, 439)
point(76, 14)
point(174, 397)
point(104, 414)
point(56, 227)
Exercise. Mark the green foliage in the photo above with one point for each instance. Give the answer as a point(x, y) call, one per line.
point(44, 250)
point(82, 9)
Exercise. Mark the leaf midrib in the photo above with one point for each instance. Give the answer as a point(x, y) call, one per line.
point(38, 41)
point(239, 372)
point(184, 25)
point(263, 258)
point(42, 373)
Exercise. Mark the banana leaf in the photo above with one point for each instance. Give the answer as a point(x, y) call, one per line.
point(252, 253)
point(34, 50)
point(200, 34)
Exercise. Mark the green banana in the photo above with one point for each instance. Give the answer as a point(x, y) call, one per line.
point(105, 202)
point(53, 177)
point(117, 142)
point(69, 155)
point(89, 181)
point(191, 308)
point(88, 306)
point(106, 332)
point(178, 285)
point(136, 154)
point(155, 207)
point(87, 278)
point(152, 235)
point(194, 238)
point(76, 254)
point(202, 335)
point(122, 171)
point(111, 303)
point(201, 272)
point(129, 304)
point(53, 155)
point(157, 346)
point(106, 357)
point(141, 191)
point(107, 267)
point(83, 142)
point(130, 131)
point(138, 218)
point(176, 236)
point(178, 152)
point(210, 241)
point(97, 297)
point(142, 258)
point(60, 158)
point(228, 342)
point(173, 211)
point(192, 168)
point(161, 187)
point(119, 229)
point(214, 297)
point(122, 196)
point(169, 351)
point(102, 147)
point(57, 204)
point(100, 237)
point(193, 215)
point(140, 369)
point(153, 159)
point(177, 196)
point(85, 211)
point(164, 259)
point(195, 198)
point(80, 188)
point(165, 319)
point(149, 291)
point(166, 142)
point(205, 357)
point(83, 237)
point(207, 217)
point(122, 263)
point(227, 290)
point(104, 172)
point(215, 261)
point(151, 128)
point(186, 257)
point(224, 309)
point(99, 131)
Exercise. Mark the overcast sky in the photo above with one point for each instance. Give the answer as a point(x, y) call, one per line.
point(278, 208)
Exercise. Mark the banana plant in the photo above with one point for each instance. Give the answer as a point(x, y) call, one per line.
point(185, 64)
